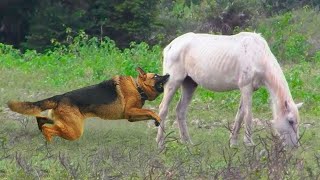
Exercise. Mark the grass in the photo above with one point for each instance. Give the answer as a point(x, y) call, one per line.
point(123, 150)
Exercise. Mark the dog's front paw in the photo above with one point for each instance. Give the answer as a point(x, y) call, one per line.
point(157, 123)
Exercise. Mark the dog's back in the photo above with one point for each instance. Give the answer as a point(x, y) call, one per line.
point(101, 100)
point(87, 99)
point(100, 94)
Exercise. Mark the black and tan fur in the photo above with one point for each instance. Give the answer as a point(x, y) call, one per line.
point(121, 97)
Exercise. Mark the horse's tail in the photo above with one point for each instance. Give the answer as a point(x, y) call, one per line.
point(33, 108)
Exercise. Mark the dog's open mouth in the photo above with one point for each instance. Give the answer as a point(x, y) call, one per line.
point(161, 80)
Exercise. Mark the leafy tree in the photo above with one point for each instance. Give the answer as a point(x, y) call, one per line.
point(35, 24)
point(52, 20)
point(274, 7)
point(122, 20)
point(14, 15)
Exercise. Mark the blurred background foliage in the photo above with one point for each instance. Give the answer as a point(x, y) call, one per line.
point(42, 24)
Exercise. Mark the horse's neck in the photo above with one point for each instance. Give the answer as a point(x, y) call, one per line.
point(277, 86)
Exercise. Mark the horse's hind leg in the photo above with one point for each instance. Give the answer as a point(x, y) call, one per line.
point(188, 88)
point(237, 124)
point(248, 117)
point(169, 89)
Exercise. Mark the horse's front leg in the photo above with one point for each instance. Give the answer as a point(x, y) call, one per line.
point(169, 89)
point(244, 113)
point(188, 88)
point(247, 139)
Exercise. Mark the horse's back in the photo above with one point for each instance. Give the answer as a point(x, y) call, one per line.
point(214, 61)
point(208, 46)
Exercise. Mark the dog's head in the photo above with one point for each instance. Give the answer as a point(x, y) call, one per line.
point(151, 83)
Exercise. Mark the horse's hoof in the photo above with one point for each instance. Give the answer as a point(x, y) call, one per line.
point(249, 144)
point(234, 146)
point(233, 143)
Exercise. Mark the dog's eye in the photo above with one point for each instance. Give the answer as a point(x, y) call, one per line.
point(155, 76)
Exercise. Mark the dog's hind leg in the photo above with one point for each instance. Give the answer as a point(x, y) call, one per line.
point(43, 120)
point(63, 130)
point(188, 88)
point(68, 124)
point(50, 131)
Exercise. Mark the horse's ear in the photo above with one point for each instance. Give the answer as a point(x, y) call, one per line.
point(286, 106)
point(299, 105)
point(141, 71)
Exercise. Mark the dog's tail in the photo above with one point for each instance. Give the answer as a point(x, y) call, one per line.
point(32, 108)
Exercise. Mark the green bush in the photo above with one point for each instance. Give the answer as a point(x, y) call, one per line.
point(286, 41)
point(86, 58)
point(274, 7)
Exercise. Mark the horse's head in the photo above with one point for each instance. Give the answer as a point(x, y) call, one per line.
point(287, 123)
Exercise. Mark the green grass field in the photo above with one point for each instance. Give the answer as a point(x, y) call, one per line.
point(123, 150)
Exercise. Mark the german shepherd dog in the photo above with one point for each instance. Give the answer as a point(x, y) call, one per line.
point(121, 97)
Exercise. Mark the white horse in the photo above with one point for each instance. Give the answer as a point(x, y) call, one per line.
point(222, 63)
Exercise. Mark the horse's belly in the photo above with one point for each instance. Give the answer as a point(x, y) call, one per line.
point(216, 82)
point(217, 70)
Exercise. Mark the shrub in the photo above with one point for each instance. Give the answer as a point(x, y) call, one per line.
point(286, 40)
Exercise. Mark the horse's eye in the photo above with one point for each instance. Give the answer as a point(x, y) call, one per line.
point(291, 121)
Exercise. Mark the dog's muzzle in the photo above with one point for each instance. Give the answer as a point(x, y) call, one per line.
point(160, 81)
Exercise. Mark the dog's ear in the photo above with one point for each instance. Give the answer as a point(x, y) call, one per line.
point(141, 72)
